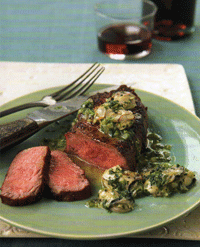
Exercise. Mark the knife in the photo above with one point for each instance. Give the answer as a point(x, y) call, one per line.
point(17, 131)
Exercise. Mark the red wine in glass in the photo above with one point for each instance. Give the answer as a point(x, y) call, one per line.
point(174, 19)
point(127, 40)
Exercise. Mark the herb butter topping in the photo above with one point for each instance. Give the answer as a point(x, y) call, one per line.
point(114, 117)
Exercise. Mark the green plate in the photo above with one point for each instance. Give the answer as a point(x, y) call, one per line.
point(73, 220)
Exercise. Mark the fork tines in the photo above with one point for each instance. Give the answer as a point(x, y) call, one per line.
point(81, 84)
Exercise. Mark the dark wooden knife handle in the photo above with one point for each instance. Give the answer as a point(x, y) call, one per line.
point(14, 132)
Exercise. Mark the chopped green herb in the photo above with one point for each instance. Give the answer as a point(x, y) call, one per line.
point(114, 116)
point(156, 177)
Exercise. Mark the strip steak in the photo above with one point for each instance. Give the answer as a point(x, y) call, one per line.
point(67, 181)
point(88, 142)
point(26, 177)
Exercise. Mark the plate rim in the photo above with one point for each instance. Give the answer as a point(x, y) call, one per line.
point(111, 235)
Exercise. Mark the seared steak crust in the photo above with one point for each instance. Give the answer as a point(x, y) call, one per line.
point(87, 142)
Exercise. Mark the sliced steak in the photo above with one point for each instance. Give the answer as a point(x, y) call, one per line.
point(67, 181)
point(88, 140)
point(26, 177)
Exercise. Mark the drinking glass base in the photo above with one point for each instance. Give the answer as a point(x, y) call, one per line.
point(172, 33)
point(128, 57)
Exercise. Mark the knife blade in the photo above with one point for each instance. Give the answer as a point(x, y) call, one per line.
point(17, 131)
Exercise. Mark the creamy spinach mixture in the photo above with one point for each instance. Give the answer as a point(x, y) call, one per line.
point(156, 177)
point(114, 117)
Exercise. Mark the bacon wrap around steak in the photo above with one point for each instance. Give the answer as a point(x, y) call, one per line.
point(88, 143)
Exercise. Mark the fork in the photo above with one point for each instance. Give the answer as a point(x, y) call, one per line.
point(75, 88)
